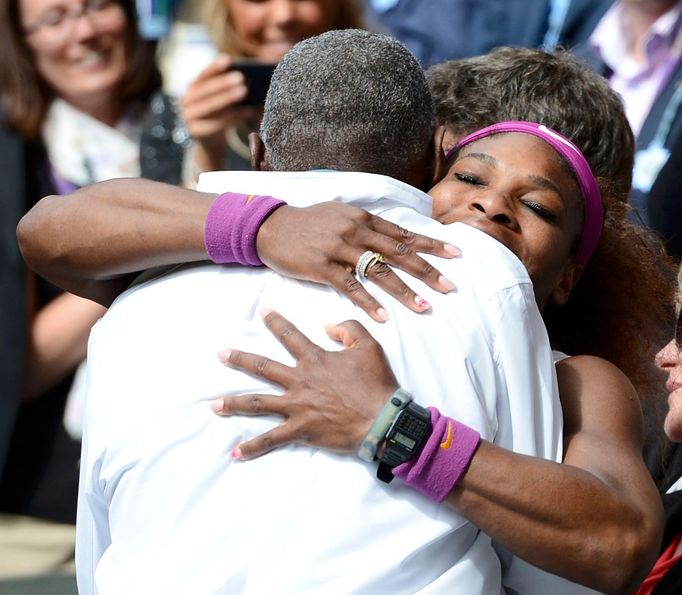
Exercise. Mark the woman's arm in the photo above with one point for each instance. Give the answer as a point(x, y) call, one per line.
point(91, 242)
point(596, 519)
point(58, 337)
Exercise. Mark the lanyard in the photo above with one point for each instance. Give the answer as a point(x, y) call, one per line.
point(668, 116)
point(650, 161)
point(557, 19)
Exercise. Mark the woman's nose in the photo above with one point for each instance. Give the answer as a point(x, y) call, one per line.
point(82, 26)
point(282, 11)
point(496, 207)
point(669, 356)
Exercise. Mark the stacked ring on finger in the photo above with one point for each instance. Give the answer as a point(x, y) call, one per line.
point(376, 259)
point(363, 262)
point(366, 261)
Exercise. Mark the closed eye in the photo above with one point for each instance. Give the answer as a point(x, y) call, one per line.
point(468, 179)
point(540, 210)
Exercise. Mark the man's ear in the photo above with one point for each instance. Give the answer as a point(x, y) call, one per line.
point(259, 161)
point(562, 290)
point(438, 156)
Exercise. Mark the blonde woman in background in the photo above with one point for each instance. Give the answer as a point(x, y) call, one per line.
point(242, 29)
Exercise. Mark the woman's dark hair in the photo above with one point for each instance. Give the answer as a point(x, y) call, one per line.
point(622, 307)
point(25, 96)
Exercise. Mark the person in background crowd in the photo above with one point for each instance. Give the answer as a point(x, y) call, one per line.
point(637, 45)
point(666, 576)
point(426, 26)
point(77, 83)
point(261, 31)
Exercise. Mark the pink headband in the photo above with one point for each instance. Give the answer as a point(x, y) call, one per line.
point(593, 220)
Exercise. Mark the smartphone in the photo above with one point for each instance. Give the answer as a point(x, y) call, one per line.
point(257, 75)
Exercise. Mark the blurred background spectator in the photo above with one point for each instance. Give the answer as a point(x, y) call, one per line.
point(440, 30)
point(264, 31)
point(637, 45)
point(77, 84)
point(666, 576)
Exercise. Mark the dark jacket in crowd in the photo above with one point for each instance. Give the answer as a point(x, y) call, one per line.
point(664, 460)
point(38, 459)
point(440, 30)
point(659, 207)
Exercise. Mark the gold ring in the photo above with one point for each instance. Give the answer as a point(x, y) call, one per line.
point(376, 259)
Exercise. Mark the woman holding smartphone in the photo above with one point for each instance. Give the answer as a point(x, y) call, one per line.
point(214, 107)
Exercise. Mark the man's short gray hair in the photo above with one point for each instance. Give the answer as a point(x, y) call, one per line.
point(348, 100)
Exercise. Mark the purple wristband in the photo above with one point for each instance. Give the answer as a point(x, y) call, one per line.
point(443, 460)
point(232, 225)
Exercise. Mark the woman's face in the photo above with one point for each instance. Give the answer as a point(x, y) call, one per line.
point(79, 46)
point(669, 359)
point(515, 188)
point(267, 29)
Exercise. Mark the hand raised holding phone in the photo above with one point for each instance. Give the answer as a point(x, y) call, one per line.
point(225, 93)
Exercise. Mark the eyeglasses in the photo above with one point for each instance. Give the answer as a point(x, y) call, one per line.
point(57, 23)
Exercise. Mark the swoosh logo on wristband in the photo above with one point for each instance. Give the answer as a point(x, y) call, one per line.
point(447, 443)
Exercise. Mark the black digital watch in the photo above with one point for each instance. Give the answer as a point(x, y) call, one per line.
point(404, 439)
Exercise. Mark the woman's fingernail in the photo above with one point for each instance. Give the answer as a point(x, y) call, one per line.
point(382, 314)
point(236, 454)
point(264, 312)
point(422, 303)
point(224, 356)
point(452, 250)
point(217, 405)
point(445, 283)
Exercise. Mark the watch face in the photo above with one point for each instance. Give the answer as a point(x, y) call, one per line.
point(405, 441)
point(406, 436)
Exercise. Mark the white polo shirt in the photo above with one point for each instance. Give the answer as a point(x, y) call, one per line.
point(163, 508)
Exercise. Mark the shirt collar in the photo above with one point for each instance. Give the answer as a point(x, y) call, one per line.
point(301, 189)
point(667, 25)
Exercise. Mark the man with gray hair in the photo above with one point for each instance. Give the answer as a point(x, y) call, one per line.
point(163, 506)
point(384, 129)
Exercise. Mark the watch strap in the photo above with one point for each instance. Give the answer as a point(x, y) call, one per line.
point(378, 430)
point(385, 472)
